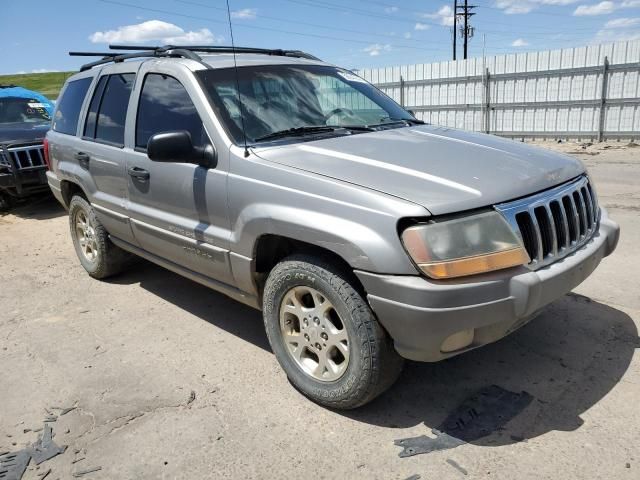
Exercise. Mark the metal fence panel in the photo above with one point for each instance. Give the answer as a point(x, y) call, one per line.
point(582, 92)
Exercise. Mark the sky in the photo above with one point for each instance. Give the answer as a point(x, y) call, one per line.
point(37, 34)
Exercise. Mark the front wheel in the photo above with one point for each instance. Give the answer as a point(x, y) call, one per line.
point(324, 334)
point(5, 202)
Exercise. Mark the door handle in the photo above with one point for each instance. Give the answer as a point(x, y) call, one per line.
point(83, 159)
point(139, 173)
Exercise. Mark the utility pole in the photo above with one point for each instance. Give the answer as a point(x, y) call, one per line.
point(466, 31)
point(455, 27)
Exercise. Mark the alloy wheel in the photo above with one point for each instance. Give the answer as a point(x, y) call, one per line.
point(314, 334)
point(86, 236)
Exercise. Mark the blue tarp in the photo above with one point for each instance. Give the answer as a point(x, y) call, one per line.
point(19, 92)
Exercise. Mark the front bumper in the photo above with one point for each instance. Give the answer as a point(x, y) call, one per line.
point(22, 184)
point(420, 314)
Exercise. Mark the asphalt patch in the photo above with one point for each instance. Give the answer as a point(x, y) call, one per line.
point(483, 413)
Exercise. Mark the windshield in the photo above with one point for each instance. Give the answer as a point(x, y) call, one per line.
point(277, 98)
point(22, 110)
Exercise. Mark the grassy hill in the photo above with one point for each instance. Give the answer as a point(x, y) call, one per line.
point(48, 84)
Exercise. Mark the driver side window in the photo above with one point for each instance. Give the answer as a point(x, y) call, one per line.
point(165, 106)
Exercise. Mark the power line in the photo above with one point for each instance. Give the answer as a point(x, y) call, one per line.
point(323, 4)
point(290, 32)
point(269, 29)
point(502, 10)
point(359, 32)
point(300, 22)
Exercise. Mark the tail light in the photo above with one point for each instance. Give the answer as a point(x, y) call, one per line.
point(46, 153)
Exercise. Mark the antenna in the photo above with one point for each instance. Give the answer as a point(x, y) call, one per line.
point(235, 66)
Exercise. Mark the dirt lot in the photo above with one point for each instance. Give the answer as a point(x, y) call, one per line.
point(171, 380)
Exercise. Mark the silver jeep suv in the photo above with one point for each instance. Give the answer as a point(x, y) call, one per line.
point(296, 187)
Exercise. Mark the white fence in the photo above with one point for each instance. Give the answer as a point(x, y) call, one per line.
point(590, 92)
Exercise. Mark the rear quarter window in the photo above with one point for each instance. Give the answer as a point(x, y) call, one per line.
point(65, 119)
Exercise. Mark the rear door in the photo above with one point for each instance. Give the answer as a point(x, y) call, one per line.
point(103, 153)
point(178, 210)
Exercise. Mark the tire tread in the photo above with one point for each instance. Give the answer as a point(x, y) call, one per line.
point(382, 364)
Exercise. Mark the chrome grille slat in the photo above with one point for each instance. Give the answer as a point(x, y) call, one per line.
point(582, 212)
point(554, 223)
point(587, 195)
point(27, 157)
point(565, 224)
point(16, 159)
point(574, 218)
point(554, 234)
point(536, 229)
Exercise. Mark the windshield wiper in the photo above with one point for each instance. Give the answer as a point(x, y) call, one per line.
point(298, 131)
point(357, 128)
point(394, 121)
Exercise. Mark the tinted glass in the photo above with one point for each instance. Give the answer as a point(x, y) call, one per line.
point(65, 120)
point(22, 110)
point(90, 124)
point(282, 97)
point(165, 106)
point(113, 108)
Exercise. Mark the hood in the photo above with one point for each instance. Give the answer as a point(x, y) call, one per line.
point(22, 132)
point(442, 169)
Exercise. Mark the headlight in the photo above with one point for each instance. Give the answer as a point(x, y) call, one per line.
point(464, 246)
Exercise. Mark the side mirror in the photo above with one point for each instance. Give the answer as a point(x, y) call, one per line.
point(413, 114)
point(177, 147)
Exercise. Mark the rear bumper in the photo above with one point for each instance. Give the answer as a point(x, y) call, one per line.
point(420, 314)
point(54, 185)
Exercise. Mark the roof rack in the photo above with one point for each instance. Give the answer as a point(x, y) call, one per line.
point(187, 51)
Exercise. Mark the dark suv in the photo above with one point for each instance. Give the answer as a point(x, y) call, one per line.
point(25, 117)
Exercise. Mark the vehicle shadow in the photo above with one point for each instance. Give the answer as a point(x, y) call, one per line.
point(568, 359)
point(38, 207)
point(213, 307)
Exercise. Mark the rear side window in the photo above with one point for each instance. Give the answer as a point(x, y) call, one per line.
point(65, 120)
point(165, 106)
point(108, 108)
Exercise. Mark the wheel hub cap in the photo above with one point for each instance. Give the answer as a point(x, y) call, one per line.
point(313, 333)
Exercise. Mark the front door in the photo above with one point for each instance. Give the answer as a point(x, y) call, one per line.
point(178, 210)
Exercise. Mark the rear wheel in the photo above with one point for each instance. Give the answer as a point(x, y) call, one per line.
point(97, 254)
point(324, 334)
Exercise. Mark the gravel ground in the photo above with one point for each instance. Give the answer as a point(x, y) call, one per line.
point(171, 380)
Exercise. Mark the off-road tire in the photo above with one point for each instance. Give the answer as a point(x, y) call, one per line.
point(374, 365)
point(110, 259)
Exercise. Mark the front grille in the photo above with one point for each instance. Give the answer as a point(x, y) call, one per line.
point(554, 223)
point(26, 157)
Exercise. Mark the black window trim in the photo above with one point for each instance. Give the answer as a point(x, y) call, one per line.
point(86, 116)
point(88, 112)
point(136, 148)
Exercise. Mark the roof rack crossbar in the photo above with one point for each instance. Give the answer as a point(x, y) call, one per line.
point(184, 51)
point(117, 57)
point(93, 54)
point(220, 49)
